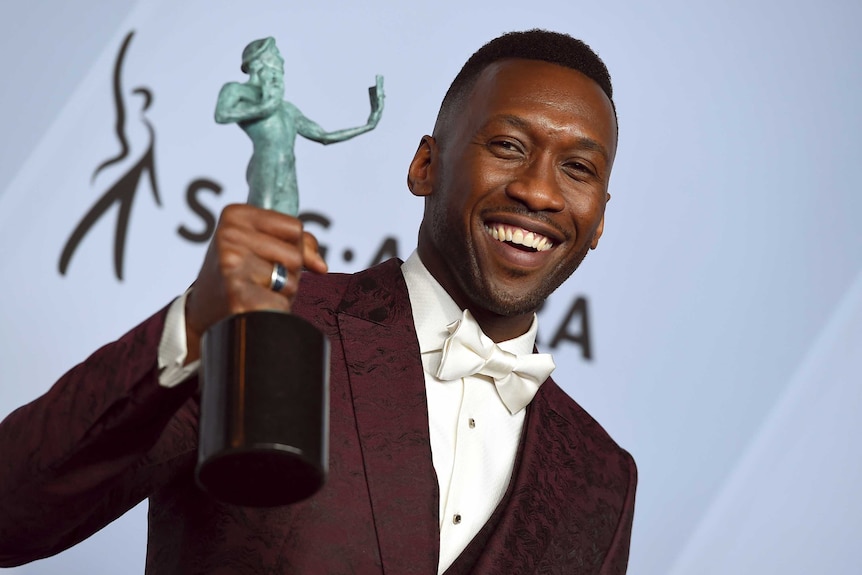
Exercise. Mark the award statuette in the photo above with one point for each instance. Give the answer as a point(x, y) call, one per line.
point(264, 428)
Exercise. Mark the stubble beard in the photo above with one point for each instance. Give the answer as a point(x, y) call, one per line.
point(460, 253)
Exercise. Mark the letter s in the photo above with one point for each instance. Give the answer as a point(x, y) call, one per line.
point(205, 214)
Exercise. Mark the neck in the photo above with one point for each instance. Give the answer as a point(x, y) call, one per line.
point(498, 327)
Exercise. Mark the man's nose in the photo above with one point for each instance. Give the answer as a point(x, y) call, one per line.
point(537, 187)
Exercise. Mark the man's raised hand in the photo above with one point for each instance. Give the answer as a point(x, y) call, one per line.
point(237, 271)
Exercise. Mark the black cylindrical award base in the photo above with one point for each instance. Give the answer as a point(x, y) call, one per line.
point(264, 424)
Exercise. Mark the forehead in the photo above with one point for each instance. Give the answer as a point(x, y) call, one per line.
point(560, 97)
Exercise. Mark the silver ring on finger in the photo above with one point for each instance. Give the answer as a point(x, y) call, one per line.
point(278, 279)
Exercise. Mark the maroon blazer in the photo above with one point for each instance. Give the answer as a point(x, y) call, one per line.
point(107, 436)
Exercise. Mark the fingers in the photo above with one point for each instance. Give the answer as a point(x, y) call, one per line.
point(238, 269)
point(312, 259)
point(247, 244)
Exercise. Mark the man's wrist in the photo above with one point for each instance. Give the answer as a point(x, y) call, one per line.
point(176, 364)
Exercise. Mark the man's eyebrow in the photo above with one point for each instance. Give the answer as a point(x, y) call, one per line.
point(582, 143)
point(593, 146)
point(515, 121)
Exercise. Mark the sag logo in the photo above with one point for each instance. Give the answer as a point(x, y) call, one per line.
point(122, 192)
point(139, 170)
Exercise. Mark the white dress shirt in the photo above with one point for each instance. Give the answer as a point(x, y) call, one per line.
point(474, 438)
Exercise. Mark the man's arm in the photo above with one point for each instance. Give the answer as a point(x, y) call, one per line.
point(242, 103)
point(617, 557)
point(107, 434)
point(92, 447)
point(311, 130)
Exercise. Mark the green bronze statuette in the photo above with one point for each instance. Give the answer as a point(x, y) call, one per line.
point(264, 431)
point(272, 123)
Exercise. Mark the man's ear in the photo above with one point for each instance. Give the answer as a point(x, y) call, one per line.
point(601, 227)
point(420, 174)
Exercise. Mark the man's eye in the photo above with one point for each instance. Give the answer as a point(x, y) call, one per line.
point(579, 168)
point(505, 147)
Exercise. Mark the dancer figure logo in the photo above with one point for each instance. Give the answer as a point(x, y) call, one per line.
point(122, 191)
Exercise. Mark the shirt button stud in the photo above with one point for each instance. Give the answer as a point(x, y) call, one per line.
point(456, 519)
point(472, 423)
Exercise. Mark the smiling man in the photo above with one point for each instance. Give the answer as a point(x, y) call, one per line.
point(515, 180)
point(452, 450)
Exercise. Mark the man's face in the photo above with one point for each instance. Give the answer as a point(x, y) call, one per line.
point(516, 185)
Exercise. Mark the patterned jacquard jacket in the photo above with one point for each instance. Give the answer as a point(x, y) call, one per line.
point(107, 436)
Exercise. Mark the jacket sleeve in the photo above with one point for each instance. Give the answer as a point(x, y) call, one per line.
point(98, 442)
point(617, 557)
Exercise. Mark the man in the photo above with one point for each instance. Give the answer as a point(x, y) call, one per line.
point(259, 108)
point(492, 469)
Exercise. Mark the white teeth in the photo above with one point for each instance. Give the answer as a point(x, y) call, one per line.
point(519, 236)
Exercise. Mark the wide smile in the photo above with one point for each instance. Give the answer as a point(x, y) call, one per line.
point(518, 236)
point(520, 243)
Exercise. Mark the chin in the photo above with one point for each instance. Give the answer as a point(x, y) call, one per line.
point(520, 299)
point(507, 302)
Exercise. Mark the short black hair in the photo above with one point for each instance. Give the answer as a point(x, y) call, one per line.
point(535, 44)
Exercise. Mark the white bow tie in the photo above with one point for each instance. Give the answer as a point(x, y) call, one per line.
point(468, 351)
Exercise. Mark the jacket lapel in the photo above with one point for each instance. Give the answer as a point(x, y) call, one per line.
point(571, 493)
point(549, 475)
point(388, 392)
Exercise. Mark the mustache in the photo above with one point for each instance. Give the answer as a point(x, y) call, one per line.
point(489, 213)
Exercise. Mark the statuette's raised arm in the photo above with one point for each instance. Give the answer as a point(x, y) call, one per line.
point(313, 131)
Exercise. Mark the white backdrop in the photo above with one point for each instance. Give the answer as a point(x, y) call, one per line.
point(724, 302)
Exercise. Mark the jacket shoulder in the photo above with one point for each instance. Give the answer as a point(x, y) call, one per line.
point(582, 429)
point(372, 293)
